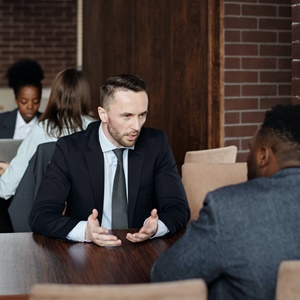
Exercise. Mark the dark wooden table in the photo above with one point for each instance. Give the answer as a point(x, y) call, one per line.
point(27, 258)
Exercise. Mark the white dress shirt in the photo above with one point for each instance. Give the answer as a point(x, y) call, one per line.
point(11, 178)
point(22, 128)
point(110, 166)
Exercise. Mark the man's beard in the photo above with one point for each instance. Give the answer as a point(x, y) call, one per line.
point(118, 137)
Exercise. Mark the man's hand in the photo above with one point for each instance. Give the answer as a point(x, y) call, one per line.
point(147, 231)
point(3, 167)
point(99, 235)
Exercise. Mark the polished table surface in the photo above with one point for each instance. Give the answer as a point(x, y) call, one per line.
point(28, 258)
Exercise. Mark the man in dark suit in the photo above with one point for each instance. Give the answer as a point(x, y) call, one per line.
point(244, 231)
point(83, 166)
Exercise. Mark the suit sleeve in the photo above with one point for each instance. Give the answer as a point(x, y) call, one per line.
point(195, 255)
point(173, 208)
point(46, 215)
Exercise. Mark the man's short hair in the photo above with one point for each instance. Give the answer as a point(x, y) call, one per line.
point(284, 120)
point(120, 82)
point(281, 128)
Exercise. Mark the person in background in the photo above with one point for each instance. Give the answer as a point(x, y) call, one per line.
point(244, 231)
point(83, 167)
point(66, 112)
point(24, 77)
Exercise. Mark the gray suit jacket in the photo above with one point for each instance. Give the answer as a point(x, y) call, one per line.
point(8, 123)
point(242, 234)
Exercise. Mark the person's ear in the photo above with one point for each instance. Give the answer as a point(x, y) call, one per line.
point(264, 156)
point(102, 114)
point(268, 162)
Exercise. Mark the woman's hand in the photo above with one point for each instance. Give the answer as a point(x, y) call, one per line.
point(3, 167)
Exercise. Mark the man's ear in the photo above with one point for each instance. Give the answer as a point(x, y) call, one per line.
point(102, 114)
point(264, 156)
point(268, 162)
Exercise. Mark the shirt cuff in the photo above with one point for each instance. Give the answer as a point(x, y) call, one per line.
point(162, 229)
point(78, 232)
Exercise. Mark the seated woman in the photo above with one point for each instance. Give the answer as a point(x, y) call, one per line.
point(24, 77)
point(66, 112)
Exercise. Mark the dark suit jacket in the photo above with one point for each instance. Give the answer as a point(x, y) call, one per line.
point(242, 234)
point(8, 123)
point(76, 175)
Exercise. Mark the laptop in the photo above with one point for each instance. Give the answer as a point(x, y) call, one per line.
point(8, 149)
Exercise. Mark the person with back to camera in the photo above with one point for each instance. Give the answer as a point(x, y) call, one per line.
point(24, 77)
point(66, 112)
point(82, 170)
point(244, 231)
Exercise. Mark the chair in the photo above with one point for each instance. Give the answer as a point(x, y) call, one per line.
point(191, 289)
point(288, 287)
point(217, 155)
point(23, 199)
point(199, 179)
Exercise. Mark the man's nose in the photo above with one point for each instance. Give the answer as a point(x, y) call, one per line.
point(136, 124)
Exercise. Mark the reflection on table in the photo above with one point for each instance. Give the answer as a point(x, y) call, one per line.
point(28, 258)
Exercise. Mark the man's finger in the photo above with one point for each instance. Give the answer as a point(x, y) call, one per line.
point(94, 214)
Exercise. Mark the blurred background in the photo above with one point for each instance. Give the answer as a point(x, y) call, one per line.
point(213, 66)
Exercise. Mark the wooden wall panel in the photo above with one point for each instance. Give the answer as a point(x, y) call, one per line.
point(171, 41)
point(175, 47)
point(107, 41)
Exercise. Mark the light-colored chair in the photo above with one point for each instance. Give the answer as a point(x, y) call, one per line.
point(216, 155)
point(192, 289)
point(199, 179)
point(288, 281)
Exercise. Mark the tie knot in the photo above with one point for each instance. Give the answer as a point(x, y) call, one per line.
point(119, 154)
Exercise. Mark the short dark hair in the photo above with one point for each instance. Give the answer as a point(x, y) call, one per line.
point(284, 120)
point(120, 82)
point(281, 127)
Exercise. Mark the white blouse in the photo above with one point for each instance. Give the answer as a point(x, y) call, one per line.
point(22, 128)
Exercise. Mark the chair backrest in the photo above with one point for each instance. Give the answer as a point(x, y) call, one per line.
point(217, 155)
point(8, 149)
point(192, 289)
point(199, 179)
point(288, 281)
point(26, 191)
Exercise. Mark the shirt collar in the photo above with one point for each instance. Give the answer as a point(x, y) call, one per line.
point(21, 123)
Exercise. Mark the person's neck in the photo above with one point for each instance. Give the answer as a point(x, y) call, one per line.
point(290, 164)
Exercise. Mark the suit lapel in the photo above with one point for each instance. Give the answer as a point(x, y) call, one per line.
point(10, 123)
point(95, 163)
point(135, 163)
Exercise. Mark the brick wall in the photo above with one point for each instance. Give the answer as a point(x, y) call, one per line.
point(38, 29)
point(296, 51)
point(257, 47)
point(257, 53)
